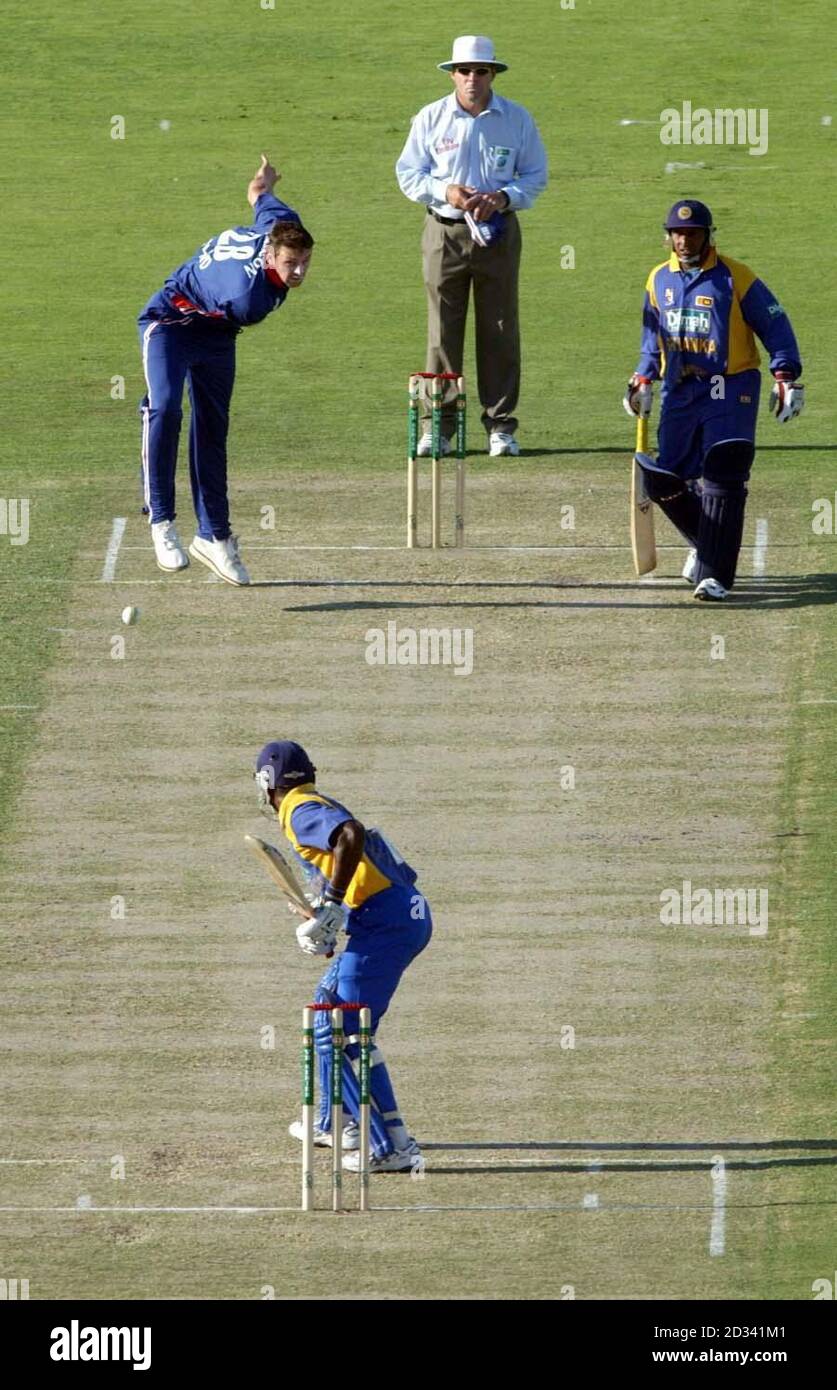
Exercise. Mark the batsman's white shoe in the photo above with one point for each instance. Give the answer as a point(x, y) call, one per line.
point(710, 591)
point(501, 444)
point(221, 557)
point(425, 446)
point(689, 570)
point(399, 1161)
point(322, 1137)
point(168, 547)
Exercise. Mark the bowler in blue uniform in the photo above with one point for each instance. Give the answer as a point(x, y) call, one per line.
point(700, 319)
point(365, 888)
point(187, 334)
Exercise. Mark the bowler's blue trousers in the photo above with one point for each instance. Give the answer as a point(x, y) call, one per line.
point(203, 353)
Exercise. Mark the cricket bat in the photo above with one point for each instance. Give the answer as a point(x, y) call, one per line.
point(281, 872)
point(643, 544)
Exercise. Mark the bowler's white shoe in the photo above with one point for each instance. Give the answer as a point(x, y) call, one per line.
point(500, 444)
point(425, 446)
point(322, 1137)
point(689, 570)
point(399, 1161)
point(168, 547)
point(711, 590)
point(222, 557)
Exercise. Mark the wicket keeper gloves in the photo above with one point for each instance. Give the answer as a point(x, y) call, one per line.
point(639, 397)
point(787, 397)
point(318, 936)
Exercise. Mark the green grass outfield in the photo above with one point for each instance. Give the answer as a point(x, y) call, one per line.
point(137, 1038)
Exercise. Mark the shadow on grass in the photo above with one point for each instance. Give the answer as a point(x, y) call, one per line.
point(627, 448)
point(778, 592)
point(787, 1153)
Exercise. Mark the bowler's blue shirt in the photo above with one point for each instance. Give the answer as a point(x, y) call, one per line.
point(226, 279)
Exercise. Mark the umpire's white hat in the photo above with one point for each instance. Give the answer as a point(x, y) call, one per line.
point(473, 48)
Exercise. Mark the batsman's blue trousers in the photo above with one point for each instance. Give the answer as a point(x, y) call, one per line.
point(173, 352)
point(692, 420)
point(368, 972)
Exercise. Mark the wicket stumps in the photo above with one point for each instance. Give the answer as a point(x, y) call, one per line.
point(364, 1066)
point(437, 390)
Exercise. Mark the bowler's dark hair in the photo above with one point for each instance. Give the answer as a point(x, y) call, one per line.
point(293, 234)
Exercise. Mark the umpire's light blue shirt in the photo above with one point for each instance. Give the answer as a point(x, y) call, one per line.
point(500, 149)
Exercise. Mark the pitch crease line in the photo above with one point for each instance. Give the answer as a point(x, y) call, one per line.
point(717, 1230)
point(112, 552)
point(760, 547)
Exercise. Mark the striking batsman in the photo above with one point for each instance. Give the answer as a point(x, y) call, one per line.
point(700, 319)
point(368, 890)
point(187, 331)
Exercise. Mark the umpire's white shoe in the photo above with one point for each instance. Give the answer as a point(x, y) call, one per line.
point(689, 570)
point(221, 557)
point(322, 1137)
point(501, 444)
point(425, 446)
point(710, 591)
point(168, 547)
point(399, 1161)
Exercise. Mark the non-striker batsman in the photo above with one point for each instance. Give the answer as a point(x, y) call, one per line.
point(700, 319)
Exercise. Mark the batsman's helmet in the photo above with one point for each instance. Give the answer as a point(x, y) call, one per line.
point(687, 214)
point(283, 764)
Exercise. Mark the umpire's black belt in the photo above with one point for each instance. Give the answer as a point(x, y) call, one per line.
point(457, 221)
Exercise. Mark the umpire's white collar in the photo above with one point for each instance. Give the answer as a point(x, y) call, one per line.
point(497, 103)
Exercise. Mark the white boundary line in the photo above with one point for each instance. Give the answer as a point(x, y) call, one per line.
point(760, 547)
point(717, 1230)
point(112, 552)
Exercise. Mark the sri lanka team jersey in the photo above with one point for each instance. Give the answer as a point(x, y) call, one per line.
point(706, 324)
point(309, 819)
point(226, 280)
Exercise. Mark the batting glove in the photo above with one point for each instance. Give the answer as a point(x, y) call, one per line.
point(639, 396)
point(318, 936)
point(787, 398)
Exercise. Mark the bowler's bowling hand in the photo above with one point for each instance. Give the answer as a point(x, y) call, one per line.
point(262, 181)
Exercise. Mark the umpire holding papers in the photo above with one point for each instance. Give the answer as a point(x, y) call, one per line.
point(474, 159)
point(187, 332)
point(701, 316)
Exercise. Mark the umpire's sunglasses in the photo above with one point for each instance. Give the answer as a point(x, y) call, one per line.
point(481, 72)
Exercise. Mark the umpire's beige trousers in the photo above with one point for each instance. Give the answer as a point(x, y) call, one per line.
point(452, 263)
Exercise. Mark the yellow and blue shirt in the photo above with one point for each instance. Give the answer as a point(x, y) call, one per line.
point(309, 820)
point(706, 323)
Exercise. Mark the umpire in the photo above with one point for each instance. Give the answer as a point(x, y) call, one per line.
point(473, 159)
point(701, 316)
